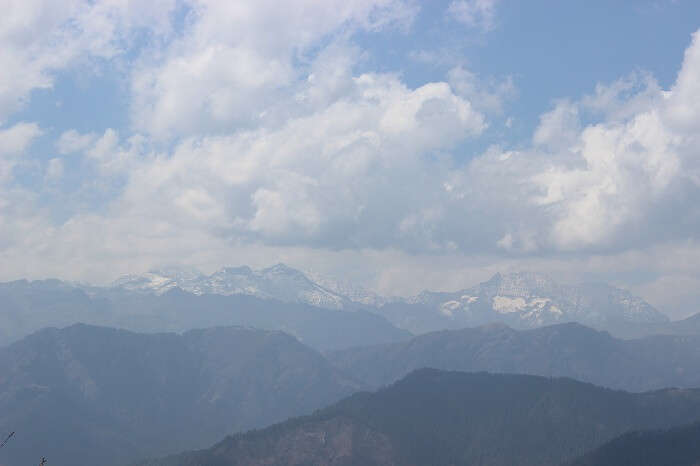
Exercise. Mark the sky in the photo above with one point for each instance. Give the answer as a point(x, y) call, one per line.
point(397, 144)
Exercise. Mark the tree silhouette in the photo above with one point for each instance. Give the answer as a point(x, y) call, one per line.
point(7, 439)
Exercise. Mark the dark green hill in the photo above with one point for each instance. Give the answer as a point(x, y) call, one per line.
point(452, 418)
point(94, 395)
point(679, 446)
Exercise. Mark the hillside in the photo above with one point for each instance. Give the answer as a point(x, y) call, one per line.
point(445, 418)
point(564, 350)
point(679, 446)
point(85, 395)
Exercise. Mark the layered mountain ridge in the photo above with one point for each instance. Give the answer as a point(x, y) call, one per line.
point(561, 350)
point(284, 298)
point(521, 299)
point(29, 306)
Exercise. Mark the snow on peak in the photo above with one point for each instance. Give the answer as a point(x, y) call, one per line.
point(530, 299)
point(279, 282)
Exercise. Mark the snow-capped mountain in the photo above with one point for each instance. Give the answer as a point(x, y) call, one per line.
point(523, 300)
point(278, 282)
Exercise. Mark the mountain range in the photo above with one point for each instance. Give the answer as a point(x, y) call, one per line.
point(331, 315)
point(86, 393)
point(94, 395)
point(519, 299)
point(522, 300)
point(279, 282)
point(448, 418)
point(29, 306)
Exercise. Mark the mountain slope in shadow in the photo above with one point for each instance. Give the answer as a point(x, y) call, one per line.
point(449, 418)
point(87, 394)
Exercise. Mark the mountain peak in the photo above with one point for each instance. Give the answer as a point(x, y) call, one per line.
point(283, 269)
point(523, 283)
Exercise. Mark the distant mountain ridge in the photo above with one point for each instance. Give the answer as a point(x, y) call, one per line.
point(292, 301)
point(561, 350)
point(29, 306)
point(96, 395)
point(520, 299)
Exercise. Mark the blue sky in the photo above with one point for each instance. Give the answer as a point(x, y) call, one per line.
point(397, 143)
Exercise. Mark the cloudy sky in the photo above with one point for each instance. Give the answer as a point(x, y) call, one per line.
point(400, 144)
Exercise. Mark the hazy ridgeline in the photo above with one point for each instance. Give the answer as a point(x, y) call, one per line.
point(96, 393)
point(248, 349)
point(282, 298)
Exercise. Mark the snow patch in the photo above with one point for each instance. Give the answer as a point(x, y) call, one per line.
point(505, 305)
point(449, 307)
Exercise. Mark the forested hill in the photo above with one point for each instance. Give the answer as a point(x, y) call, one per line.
point(679, 446)
point(444, 418)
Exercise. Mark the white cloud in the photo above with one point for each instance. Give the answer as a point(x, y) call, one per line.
point(486, 95)
point(559, 128)
point(316, 178)
point(275, 147)
point(14, 141)
point(474, 13)
point(682, 111)
point(54, 169)
point(72, 141)
point(625, 179)
point(40, 37)
point(221, 75)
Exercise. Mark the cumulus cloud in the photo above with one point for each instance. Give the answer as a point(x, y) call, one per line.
point(41, 37)
point(14, 141)
point(332, 178)
point(488, 96)
point(72, 141)
point(369, 164)
point(247, 146)
point(682, 111)
point(221, 75)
